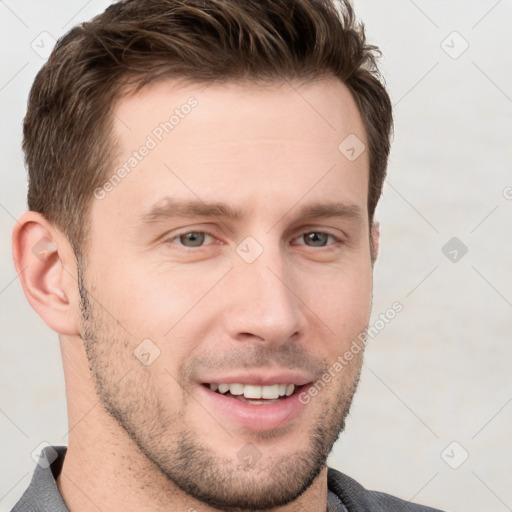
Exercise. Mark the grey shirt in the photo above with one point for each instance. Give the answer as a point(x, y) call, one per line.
point(344, 494)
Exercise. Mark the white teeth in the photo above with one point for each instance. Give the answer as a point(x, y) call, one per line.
point(255, 392)
point(251, 391)
point(223, 388)
point(271, 392)
point(236, 389)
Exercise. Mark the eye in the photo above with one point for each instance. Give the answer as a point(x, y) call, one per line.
point(192, 238)
point(317, 239)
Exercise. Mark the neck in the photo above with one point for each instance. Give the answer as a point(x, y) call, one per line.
point(105, 469)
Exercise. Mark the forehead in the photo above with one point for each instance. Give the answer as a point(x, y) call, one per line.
point(240, 143)
point(239, 108)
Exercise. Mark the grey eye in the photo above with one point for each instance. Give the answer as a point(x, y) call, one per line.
point(192, 239)
point(316, 239)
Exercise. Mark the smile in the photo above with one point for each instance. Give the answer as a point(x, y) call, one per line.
point(252, 393)
point(253, 406)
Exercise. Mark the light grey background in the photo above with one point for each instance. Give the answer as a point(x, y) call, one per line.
point(440, 371)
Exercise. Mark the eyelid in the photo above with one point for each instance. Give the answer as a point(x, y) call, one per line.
point(173, 237)
point(337, 239)
point(304, 231)
point(169, 238)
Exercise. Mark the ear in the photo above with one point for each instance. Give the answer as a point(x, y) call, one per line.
point(46, 265)
point(374, 240)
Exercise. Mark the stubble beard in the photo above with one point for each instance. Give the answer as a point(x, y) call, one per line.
point(169, 442)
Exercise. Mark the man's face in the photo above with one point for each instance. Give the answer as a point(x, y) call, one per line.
point(271, 296)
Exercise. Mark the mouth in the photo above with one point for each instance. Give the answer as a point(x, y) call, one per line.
point(256, 401)
point(254, 394)
point(254, 407)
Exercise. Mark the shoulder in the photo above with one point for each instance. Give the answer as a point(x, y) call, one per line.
point(358, 499)
point(42, 494)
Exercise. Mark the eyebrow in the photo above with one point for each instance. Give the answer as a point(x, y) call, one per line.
point(169, 207)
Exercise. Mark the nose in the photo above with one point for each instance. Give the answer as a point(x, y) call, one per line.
point(265, 304)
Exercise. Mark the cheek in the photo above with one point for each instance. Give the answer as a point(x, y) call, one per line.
point(176, 305)
point(151, 299)
point(339, 295)
point(342, 305)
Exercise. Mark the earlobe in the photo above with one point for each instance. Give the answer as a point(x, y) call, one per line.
point(45, 264)
point(375, 239)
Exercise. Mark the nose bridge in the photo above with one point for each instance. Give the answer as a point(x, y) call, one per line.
point(265, 303)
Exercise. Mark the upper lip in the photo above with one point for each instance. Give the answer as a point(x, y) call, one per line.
point(261, 378)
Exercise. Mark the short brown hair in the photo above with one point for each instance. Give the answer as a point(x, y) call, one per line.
point(67, 129)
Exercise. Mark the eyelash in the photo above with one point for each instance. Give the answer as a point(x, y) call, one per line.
point(206, 232)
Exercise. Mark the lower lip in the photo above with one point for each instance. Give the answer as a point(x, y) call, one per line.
point(255, 417)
